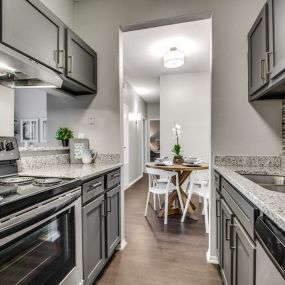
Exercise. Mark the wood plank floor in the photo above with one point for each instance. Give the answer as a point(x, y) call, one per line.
point(159, 254)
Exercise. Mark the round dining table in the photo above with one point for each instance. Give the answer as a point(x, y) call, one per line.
point(184, 171)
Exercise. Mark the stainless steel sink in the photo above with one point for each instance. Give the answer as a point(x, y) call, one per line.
point(270, 182)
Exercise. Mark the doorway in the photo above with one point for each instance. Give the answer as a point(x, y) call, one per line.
point(182, 94)
point(126, 146)
point(154, 140)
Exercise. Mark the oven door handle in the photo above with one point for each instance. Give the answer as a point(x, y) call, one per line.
point(46, 211)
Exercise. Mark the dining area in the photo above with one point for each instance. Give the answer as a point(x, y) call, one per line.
point(173, 182)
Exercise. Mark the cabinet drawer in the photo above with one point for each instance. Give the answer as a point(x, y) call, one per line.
point(242, 208)
point(92, 188)
point(217, 178)
point(113, 179)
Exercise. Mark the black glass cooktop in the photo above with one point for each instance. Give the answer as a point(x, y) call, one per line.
point(18, 192)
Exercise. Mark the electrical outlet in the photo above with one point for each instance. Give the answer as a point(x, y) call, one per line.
point(91, 119)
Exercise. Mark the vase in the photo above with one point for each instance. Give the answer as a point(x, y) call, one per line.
point(178, 159)
point(65, 143)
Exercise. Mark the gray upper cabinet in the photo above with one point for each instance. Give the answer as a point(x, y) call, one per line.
point(258, 42)
point(276, 54)
point(226, 251)
point(243, 256)
point(31, 29)
point(93, 217)
point(81, 61)
point(113, 220)
point(266, 53)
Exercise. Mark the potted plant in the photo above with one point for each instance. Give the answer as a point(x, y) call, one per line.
point(64, 135)
point(177, 159)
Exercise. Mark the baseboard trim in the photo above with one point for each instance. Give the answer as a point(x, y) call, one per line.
point(135, 181)
point(122, 245)
point(213, 259)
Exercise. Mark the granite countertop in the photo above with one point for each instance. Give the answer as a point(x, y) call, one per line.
point(269, 202)
point(81, 171)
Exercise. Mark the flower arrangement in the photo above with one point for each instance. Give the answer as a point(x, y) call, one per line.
point(177, 159)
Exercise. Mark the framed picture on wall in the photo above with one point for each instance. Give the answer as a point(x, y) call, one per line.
point(29, 130)
point(43, 130)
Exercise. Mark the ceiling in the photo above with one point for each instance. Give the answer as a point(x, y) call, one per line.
point(144, 50)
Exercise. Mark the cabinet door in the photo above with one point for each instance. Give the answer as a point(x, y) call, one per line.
point(81, 61)
point(258, 40)
point(226, 251)
point(113, 220)
point(30, 28)
point(243, 256)
point(218, 226)
point(276, 55)
point(93, 239)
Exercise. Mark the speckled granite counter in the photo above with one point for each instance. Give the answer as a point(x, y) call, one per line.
point(270, 203)
point(80, 171)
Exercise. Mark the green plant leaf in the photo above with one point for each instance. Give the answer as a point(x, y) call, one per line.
point(64, 134)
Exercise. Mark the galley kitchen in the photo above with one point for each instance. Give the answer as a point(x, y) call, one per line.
point(142, 142)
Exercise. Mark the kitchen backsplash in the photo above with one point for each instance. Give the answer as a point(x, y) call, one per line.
point(33, 159)
point(249, 160)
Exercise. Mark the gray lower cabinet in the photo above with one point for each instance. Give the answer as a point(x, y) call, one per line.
point(93, 217)
point(243, 256)
point(81, 61)
point(235, 245)
point(258, 42)
point(218, 225)
point(226, 251)
point(113, 220)
point(31, 29)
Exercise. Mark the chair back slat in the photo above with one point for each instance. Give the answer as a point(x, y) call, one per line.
point(160, 172)
point(154, 173)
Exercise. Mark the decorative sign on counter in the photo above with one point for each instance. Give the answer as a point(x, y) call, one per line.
point(76, 148)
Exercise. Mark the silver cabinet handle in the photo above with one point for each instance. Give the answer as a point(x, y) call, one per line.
point(227, 227)
point(70, 65)
point(262, 69)
point(218, 204)
point(110, 205)
point(269, 62)
point(61, 59)
point(232, 246)
point(104, 208)
point(93, 187)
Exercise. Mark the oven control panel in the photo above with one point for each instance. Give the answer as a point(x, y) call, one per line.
point(8, 149)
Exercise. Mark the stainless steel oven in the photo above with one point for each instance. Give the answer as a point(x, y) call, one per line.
point(42, 244)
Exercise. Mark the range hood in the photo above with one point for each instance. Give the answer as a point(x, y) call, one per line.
point(19, 71)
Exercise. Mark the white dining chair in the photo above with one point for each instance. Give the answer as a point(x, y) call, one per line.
point(162, 187)
point(198, 184)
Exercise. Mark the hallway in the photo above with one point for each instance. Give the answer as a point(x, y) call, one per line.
point(157, 254)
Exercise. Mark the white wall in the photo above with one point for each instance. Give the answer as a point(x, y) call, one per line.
point(186, 100)
point(136, 105)
point(238, 127)
point(6, 111)
point(64, 9)
point(153, 111)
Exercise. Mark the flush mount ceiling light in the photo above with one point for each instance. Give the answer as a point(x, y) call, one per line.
point(173, 58)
